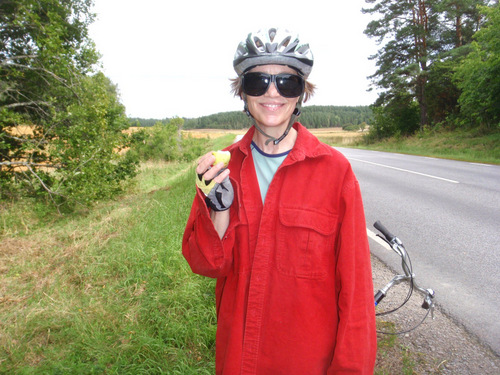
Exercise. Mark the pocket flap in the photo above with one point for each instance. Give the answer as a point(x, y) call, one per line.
point(321, 221)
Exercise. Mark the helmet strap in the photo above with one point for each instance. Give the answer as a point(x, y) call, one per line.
point(296, 113)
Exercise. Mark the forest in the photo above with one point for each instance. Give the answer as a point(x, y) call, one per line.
point(312, 117)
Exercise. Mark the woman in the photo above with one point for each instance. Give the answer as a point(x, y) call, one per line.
point(282, 228)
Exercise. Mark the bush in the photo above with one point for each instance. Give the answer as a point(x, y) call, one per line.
point(72, 157)
point(399, 117)
point(157, 143)
point(164, 142)
point(192, 148)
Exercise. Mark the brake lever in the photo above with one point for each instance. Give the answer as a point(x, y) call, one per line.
point(429, 302)
point(384, 239)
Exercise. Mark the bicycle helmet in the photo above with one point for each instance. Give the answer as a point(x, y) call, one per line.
point(269, 47)
point(273, 46)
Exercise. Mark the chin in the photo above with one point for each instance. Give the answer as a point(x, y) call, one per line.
point(273, 124)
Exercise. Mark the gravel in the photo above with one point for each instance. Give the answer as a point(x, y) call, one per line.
point(439, 345)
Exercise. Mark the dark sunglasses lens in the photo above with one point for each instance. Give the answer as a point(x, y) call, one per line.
point(255, 84)
point(289, 85)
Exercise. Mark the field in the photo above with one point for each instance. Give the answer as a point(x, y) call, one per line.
point(328, 135)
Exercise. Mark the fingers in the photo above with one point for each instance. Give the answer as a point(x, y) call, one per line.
point(223, 175)
point(205, 162)
point(210, 172)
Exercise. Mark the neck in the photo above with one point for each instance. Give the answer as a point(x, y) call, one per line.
point(270, 148)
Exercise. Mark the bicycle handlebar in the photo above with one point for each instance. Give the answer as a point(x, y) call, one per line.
point(388, 235)
point(398, 247)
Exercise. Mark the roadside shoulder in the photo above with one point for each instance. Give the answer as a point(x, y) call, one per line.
point(439, 346)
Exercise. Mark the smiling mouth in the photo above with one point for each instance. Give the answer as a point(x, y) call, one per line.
point(272, 107)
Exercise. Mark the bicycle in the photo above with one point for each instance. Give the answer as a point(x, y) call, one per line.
point(397, 246)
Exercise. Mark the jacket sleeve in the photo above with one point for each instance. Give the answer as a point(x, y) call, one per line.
point(356, 341)
point(205, 252)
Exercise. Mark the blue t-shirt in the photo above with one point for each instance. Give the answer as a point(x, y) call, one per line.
point(266, 166)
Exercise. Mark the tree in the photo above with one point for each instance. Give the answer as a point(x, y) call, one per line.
point(398, 117)
point(442, 92)
point(460, 19)
point(403, 61)
point(419, 38)
point(478, 76)
point(49, 86)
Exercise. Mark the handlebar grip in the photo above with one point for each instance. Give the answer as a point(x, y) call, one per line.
point(388, 235)
point(379, 296)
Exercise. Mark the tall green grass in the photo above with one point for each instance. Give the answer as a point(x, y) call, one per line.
point(109, 292)
point(473, 145)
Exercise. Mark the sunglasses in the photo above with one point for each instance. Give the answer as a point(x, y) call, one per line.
point(288, 85)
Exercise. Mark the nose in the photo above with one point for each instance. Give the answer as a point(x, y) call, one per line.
point(272, 90)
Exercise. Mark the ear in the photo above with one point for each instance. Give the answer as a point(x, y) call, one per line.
point(245, 109)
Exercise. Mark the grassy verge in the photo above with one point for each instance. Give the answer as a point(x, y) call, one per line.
point(108, 291)
point(466, 145)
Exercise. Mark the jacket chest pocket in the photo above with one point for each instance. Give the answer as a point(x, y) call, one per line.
point(305, 243)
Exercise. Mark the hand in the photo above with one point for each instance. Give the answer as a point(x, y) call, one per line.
point(213, 181)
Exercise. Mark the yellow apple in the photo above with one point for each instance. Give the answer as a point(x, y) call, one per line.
point(222, 157)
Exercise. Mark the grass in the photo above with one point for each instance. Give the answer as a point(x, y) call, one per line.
point(392, 357)
point(107, 291)
point(471, 145)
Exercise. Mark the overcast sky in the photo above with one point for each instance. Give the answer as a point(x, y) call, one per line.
point(174, 57)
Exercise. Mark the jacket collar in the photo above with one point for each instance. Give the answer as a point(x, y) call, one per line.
point(306, 145)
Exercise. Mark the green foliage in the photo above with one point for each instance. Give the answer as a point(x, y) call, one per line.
point(442, 91)
point(163, 141)
point(109, 292)
point(157, 143)
point(354, 128)
point(351, 127)
point(223, 120)
point(407, 27)
point(423, 43)
point(60, 122)
point(399, 117)
point(144, 122)
point(88, 147)
point(312, 117)
point(459, 20)
point(467, 144)
point(335, 116)
point(478, 76)
point(193, 148)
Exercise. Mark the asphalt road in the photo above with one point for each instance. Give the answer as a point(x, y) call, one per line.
point(447, 213)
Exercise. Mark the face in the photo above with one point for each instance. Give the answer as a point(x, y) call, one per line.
point(271, 109)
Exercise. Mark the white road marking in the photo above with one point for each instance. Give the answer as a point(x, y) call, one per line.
point(406, 170)
point(481, 164)
point(377, 239)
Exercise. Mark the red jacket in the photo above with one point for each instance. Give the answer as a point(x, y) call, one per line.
point(294, 290)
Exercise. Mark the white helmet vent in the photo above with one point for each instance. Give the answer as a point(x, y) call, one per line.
point(273, 46)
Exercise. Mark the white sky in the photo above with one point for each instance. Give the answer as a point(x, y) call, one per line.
point(174, 57)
